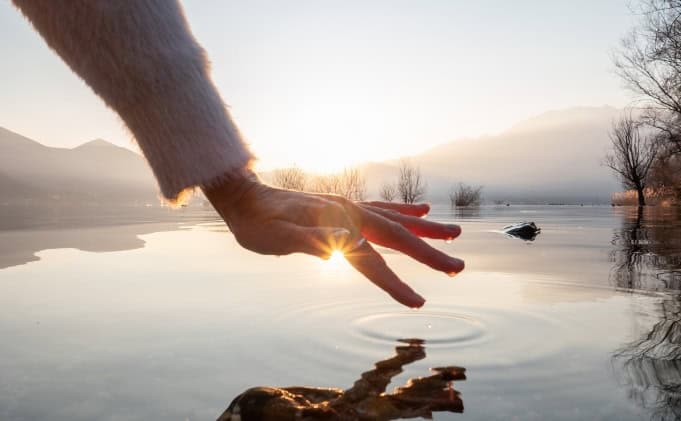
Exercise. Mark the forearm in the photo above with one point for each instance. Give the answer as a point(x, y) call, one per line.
point(140, 57)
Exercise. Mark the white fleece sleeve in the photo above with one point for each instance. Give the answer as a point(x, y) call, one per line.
point(140, 57)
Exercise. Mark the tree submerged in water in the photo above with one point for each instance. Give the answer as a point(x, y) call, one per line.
point(646, 253)
point(411, 186)
point(365, 400)
point(387, 192)
point(465, 196)
point(633, 155)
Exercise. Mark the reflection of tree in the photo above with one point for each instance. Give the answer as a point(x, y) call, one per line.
point(366, 399)
point(465, 212)
point(647, 255)
point(651, 366)
point(647, 249)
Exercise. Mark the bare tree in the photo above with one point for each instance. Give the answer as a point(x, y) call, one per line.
point(388, 192)
point(665, 174)
point(290, 178)
point(465, 195)
point(649, 62)
point(353, 184)
point(410, 184)
point(632, 156)
point(350, 184)
point(327, 183)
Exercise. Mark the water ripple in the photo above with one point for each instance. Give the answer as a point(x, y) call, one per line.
point(435, 328)
point(483, 335)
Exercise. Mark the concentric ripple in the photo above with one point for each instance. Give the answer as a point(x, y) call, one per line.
point(435, 328)
point(489, 336)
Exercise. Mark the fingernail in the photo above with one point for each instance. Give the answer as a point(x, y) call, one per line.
point(340, 234)
point(454, 230)
point(457, 266)
point(418, 302)
point(359, 243)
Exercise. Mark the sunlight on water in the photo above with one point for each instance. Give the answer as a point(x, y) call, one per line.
point(185, 320)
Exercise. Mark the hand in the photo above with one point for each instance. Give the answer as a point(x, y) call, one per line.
point(274, 221)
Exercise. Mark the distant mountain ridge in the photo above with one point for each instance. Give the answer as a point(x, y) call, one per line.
point(553, 157)
point(96, 171)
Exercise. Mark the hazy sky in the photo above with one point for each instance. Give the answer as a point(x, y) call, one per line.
point(326, 83)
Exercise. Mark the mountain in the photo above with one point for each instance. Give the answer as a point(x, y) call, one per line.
point(95, 172)
point(553, 157)
point(13, 188)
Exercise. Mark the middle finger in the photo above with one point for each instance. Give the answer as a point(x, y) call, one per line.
point(419, 226)
point(384, 232)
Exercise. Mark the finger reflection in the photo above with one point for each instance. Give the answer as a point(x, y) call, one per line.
point(366, 399)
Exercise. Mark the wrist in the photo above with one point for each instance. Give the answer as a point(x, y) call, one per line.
point(229, 188)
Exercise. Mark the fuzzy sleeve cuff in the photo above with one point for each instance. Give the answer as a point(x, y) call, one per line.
point(140, 57)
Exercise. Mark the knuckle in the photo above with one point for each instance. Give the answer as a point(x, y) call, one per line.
point(391, 212)
point(397, 229)
point(337, 199)
point(343, 200)
point(335, 208)
point(331, 214)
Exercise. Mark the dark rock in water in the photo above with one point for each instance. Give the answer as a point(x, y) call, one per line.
point(525, 230)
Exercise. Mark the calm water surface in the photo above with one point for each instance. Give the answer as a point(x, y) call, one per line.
point(172, 321)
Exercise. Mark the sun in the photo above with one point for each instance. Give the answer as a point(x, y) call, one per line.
point(325, 134)
point(336, 257)
point(336, 263)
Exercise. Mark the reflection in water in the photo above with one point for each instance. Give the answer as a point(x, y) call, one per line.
point(647, 249)
point(365, 400)
point(138, 335)
point(113, 230)
point(651, 366)
point(647, 255)
point(468, 212)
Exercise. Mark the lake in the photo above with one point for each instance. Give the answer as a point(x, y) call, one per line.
point(139, 320)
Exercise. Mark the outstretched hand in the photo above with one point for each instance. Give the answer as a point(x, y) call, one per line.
point(269, 220)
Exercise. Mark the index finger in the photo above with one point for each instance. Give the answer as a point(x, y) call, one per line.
point(370, 264)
